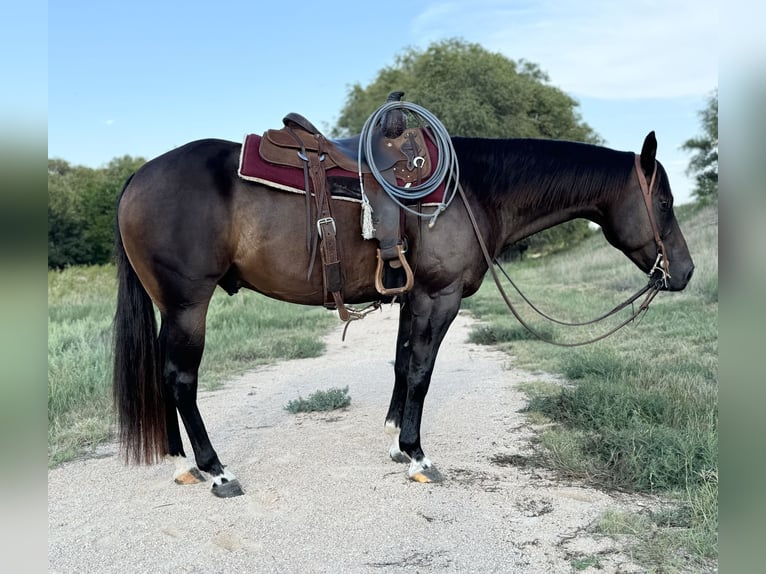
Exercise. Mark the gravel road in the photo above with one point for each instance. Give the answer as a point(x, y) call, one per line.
point(321, 494)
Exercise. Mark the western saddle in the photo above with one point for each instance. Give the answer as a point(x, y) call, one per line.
point(400, 156)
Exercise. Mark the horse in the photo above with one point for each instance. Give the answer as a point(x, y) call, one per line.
point(186, 223)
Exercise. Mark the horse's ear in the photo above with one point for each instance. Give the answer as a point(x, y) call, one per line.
point(648, 152)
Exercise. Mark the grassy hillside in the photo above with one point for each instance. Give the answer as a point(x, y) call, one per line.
point(639, 410)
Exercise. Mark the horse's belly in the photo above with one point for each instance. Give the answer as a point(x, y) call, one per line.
point(273, 257)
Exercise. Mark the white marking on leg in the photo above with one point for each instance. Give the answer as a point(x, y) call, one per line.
point(392, 430)
point(182, 465)
point(417, 467)
point(227, 476)
point(394, 452)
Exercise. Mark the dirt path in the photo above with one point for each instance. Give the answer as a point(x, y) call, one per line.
point(321, 494)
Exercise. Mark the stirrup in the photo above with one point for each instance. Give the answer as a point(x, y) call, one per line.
point(402, 260)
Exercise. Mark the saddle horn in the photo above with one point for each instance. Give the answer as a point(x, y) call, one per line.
point(393, 122)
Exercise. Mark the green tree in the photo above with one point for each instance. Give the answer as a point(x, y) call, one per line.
point(81, 208)
point(100, 202)
point(66, 244)
point(704, 148)
point(475, 92)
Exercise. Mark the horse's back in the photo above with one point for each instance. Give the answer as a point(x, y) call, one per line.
point(186, 168)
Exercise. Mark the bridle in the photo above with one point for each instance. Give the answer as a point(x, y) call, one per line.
point(653, 287)
point(661, 264)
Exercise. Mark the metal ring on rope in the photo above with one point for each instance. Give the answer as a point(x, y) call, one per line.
point(447, 170)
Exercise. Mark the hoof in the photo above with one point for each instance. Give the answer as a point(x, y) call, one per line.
point(228, 489)
point(398, 456)
point(424, 471)
point(428, 475)
point(191, 476)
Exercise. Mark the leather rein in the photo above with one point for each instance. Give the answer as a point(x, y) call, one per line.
point(653, 287)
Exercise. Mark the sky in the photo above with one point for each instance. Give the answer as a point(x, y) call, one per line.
point(140, 78)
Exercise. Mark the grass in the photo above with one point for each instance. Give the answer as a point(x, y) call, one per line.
point(318, 401)
point(586, 562)
point(639, 411)
point(242, 332)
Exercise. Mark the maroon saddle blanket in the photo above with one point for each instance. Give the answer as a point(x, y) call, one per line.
point(252, 167)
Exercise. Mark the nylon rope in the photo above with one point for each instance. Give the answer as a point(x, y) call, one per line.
point(447, 169)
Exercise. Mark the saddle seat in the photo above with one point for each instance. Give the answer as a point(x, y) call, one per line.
point(405, 157)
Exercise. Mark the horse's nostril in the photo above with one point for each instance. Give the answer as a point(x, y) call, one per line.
point(689, 274)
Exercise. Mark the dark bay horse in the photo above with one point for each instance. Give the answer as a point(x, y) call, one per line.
point(187, 223)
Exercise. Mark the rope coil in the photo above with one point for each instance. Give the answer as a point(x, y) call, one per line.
point(447, 170)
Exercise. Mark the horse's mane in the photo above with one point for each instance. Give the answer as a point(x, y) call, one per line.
point(541, 174)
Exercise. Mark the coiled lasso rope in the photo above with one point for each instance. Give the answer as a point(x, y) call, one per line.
point(447, 170)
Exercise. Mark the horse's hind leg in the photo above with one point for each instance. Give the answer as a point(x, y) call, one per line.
point(183, 340)
point(185, 471)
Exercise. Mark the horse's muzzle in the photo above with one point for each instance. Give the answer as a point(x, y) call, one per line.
point(678, 280)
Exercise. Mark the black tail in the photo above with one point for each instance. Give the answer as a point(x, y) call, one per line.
point(137, 381)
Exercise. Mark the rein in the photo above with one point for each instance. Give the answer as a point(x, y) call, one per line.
point(606, 315)
point(661, 264)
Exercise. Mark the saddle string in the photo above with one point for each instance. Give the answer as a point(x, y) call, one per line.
point(652, 289)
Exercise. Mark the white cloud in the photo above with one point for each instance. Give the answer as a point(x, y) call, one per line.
point(594, 48)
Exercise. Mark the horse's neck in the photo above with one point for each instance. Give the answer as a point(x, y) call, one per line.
point(527, 186)
point(515, 219)
point(519, 224)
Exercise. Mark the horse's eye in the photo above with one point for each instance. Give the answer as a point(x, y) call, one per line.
point(665, 204)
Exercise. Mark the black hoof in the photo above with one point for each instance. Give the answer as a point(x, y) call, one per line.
point(197, 474)
point(228, 489)
point(399, 457)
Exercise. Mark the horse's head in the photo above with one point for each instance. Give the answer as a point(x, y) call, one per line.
point(641, 223)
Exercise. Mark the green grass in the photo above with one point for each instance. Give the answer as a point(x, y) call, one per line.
point(641, 411)
point(328, 400)
point(242, 332)
point(586, 562)
point(248, 329)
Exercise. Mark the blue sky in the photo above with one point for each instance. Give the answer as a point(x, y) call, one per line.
point(142, 77)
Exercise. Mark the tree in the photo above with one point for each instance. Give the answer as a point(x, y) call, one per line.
point(478, 93)
point(99, 205)
point(473, 92)
point(81, 210)
point(67, 185)
point(704, 162)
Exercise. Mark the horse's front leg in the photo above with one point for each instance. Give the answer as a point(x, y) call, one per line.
point(420, 336)
point(399, 396)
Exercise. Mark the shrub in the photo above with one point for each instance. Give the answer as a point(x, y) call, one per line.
point(328, 400)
